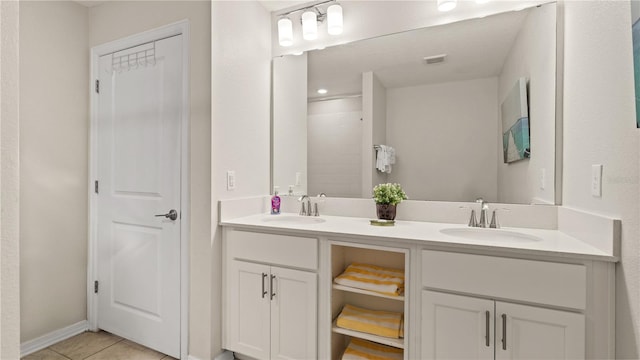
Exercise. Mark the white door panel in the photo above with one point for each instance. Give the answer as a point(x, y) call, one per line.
point(139, 117)
point(456, 327)
point(537, 333)
point(293, 314)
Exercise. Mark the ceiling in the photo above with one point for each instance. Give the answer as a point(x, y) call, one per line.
point(90, 3)
point(273, 5)
point(475, 49)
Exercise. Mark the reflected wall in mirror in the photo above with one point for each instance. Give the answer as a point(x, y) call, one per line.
point(442, 119)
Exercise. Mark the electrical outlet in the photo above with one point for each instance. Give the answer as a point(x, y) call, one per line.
point(543, 178)
point(231, 180)
point(596, 180)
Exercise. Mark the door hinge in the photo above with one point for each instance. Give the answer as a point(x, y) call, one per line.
point(95, 287)
point(96, 187)
point(98, 86)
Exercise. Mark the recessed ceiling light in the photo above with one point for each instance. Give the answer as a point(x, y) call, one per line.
point(297, 53)
point(482, 1)
point(322, 91)
point(446, 5)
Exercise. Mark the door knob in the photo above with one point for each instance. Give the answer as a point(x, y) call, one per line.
point(172, 214)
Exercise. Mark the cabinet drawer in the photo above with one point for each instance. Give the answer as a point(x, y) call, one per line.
point(525, 280)
point(294, 251)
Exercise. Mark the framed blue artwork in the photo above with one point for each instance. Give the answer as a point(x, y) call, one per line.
point(635, 20)
point(515, 123)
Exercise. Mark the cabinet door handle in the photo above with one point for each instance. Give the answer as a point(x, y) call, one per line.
point(273, 293)
point(504, 332)
point(264, 291)
point(487, 327)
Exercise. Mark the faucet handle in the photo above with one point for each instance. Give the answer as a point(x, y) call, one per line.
point(494, 218)
point(473, 221)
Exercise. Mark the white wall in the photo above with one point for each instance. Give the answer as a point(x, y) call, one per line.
point(599, 128)
point(444, 136)
point(240, 79)
point(289, 143)
point(374, 130)
point(117, 19)
point(54, 109)
point(9, 182)
point(532, 56)
point(335, 147)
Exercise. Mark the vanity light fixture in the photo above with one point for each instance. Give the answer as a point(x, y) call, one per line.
point(334, 19)
point(446, 5)
point(309, 25)
point(285, 31)
point(311, 16)
point(322, 91)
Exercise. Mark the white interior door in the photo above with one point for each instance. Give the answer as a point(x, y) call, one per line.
point(139, 121)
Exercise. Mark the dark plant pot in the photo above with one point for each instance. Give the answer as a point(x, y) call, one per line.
point(386, 211)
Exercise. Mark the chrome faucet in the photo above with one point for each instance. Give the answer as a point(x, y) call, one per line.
point(484, 208)
point(305, 211)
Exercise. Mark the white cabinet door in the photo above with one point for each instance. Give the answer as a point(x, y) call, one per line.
point(456, 327)
point(536, 333)
point(293, 314)
point(248, 309)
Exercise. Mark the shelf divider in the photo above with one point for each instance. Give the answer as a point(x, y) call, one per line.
point(397, 343)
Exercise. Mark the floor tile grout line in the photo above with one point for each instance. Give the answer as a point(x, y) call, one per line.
point(63, 355)
point(103, 349)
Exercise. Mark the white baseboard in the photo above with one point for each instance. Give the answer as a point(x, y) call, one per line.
point(53, 337)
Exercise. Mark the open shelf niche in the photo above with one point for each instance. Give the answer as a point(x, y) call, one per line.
point(344, 254)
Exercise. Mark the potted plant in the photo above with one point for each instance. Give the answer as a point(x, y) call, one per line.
point(387, 197)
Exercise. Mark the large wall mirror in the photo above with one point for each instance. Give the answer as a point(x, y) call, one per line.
point(435, 95)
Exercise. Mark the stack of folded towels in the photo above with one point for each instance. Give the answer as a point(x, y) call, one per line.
point(373, 278)
point(363, 350)
point(382, 323)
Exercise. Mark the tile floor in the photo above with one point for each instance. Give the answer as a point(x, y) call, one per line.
point(97, 346)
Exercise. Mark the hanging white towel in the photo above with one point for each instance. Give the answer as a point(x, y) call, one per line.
point(385, 157)
point(381, 158)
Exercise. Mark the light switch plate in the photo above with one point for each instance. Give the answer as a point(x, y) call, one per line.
point(543, 178)
point(298, 178)
point(231, 180)
point(596, 180)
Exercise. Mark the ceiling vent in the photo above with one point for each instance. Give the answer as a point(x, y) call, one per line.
point(436, 59)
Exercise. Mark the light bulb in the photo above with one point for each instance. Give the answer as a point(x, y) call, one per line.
point(309, 25)
point(446, 5)
point(334, 19)
point(285, 32)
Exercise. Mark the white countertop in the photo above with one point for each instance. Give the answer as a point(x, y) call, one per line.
point(552, 242)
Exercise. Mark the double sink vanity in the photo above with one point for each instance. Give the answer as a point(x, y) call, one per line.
point(541, 287)
point(510, 293)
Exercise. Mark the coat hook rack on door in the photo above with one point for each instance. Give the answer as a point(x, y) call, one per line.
point(133, 60)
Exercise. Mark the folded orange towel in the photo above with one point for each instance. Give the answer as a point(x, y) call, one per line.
point(359, 349)
point(373, 278)
point(382, 323)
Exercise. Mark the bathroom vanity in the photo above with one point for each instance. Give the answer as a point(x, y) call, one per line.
point(469, 293)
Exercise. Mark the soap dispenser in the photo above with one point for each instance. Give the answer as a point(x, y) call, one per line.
point(275, 202)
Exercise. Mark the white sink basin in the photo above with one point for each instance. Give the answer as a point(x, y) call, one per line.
point(485, 234)
point(292, 219)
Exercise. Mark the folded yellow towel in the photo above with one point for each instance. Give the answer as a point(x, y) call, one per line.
point(382, 323)
point(359, 349)
point(373, 278)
